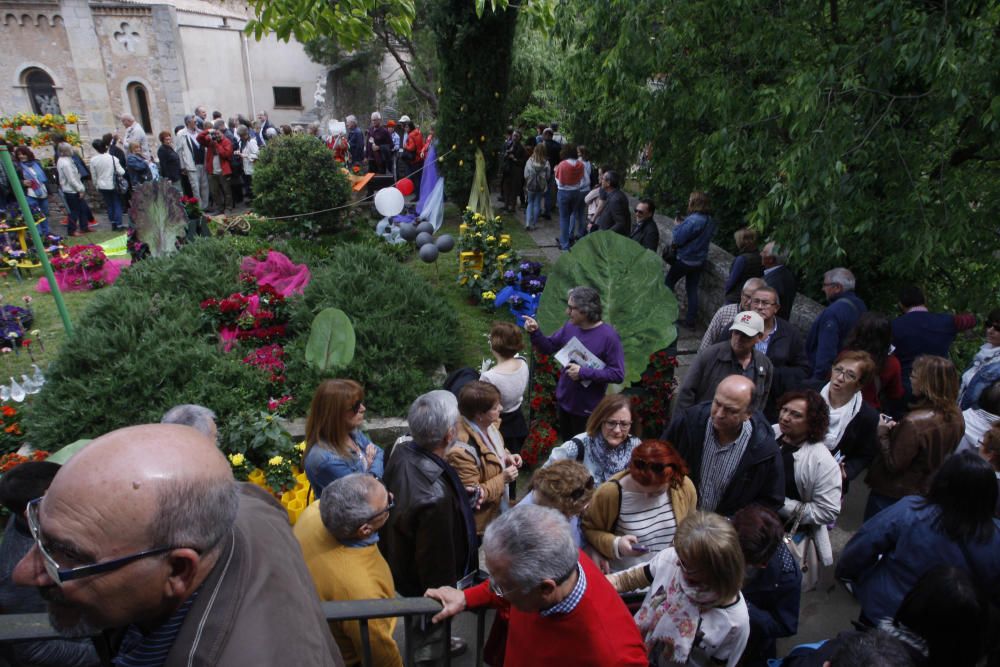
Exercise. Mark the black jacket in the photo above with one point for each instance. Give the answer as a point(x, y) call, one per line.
point(772, 597)
point(759, 476)
point(783, 281)
point(614, 216)
point(426, 540)
point(859, 444)
point(646, 234)
point(170, 163)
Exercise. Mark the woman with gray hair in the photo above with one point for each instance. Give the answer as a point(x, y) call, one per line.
point(73, 190)
point(582, 386)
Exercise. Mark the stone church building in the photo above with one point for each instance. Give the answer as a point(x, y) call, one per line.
point(155, 59)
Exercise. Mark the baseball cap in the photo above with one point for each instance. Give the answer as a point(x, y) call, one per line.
point(404, 119)
point(748, 322)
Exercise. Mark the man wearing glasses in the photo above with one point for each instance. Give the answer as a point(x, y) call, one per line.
point(145, 540)
point(644, 231)
point(339, 540)
point(563, 611)
point(829, 330)
point(782, 344)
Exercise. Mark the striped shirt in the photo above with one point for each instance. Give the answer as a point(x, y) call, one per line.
point(649, 518)
point(141, 650)
point(718, 465)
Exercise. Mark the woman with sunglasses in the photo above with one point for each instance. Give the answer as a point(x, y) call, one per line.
point(478, 454)
point(987, 355)
point(812, 477)
point(606, 446)
point(566, 486)
point(335, 444)
point(635, 514)
point(693, 613)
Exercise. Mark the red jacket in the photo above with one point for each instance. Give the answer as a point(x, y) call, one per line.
point(224, 148)
point(599, 632)
point(415, 143)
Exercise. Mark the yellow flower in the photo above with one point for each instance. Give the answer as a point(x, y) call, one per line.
point(237, 459)
point(475, 276)
point(479, 235)
point(491, 238)
point(275, 461)
point(301, 446)
point(489, 296)
point(461, 162)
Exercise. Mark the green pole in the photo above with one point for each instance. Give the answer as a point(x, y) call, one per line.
point(15, 184)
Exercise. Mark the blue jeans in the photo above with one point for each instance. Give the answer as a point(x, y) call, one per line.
point(691, 275)
point(580, 216)
point(534, 208)
point(550, 197)
point(74, 208)
point(43, 204)
point(113, 201)
point(568, 201)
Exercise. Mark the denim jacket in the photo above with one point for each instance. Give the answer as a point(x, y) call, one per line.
point(692, 238)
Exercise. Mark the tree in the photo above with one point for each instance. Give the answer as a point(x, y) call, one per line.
point(855, 134)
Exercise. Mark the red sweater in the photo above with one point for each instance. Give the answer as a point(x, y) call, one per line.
point(599, 632)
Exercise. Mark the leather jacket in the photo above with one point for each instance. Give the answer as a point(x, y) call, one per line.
point(912, 452)
point(425, 541)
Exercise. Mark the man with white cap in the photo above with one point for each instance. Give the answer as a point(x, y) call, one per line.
point(736, 356)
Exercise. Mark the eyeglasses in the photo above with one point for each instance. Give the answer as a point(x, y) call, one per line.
point(576, 494)
point(615, 424)
point(62, 575)
point(844, 373)
point(388, 508)
point(499, 592)
point(829, 284)
point(356, 407)
point(993, 325)
point(651, 466)
point(641, 211)
point(570, 306)
point(762, 303)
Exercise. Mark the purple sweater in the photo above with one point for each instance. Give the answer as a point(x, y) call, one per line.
point(604, 342)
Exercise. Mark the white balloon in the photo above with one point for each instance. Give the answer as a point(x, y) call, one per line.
point(389, 201)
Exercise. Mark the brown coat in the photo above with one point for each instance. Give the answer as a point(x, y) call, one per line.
point(488, 473)
point(600, 517)
point(912, 452)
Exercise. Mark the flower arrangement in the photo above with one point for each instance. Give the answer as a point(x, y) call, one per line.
point(486, 239)
point(256, 440)
point(192, 207)
point(542, 436)
point(654, 392)
point(13, 459)
point(84, 263)
point(269, 358)
point(258, 313)
point(11, 430)
point(42, 128)
point(14, 322)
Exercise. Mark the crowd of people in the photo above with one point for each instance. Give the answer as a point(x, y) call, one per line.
point(209, 158)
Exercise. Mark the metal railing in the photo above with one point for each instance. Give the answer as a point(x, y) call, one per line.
point(36, 627)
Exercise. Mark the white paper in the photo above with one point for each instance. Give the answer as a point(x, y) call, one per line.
point(575, 352)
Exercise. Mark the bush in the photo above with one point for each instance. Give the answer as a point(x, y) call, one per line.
point(143, 345)
point(297, 174)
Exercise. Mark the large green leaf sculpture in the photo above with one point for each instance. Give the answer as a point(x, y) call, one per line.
point(159, 217)
point(331, 340)
point(635, 300)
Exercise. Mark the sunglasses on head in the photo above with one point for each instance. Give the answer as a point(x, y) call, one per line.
point(655, 468)
point(576, 494)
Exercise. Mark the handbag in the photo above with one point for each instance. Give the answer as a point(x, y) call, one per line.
point(121, 183)
point(670, 253)
point(803, 548)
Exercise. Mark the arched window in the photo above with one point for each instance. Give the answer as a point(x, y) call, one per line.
point(41, 91)
point(139, 101)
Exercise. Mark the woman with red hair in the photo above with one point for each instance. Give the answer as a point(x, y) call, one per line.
point(635, 514)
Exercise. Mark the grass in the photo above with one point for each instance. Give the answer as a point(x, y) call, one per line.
point(47, 321)
point(474, 323)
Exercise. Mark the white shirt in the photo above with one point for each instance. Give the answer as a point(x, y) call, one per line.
point(103, 168)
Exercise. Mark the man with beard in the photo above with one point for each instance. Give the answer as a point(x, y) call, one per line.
point(145, 540)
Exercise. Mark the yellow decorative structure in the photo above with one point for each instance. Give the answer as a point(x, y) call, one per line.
point(295, 500)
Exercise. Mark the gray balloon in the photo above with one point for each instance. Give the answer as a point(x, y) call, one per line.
point(445, 242)
point(425, 226)
point(428, 252)
point(423, 238)
point(408, 231)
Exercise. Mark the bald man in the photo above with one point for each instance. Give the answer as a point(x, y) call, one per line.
point(730, 450)
point(145, 540)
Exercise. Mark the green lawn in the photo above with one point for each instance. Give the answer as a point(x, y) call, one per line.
point(47, 321)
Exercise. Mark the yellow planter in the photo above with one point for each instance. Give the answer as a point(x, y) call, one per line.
point(293, 500)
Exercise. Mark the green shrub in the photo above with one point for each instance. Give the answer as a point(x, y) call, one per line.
point(297, 174)
point(143, 345)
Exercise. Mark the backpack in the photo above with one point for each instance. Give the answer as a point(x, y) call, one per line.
point(459, 378)
point(537, 182)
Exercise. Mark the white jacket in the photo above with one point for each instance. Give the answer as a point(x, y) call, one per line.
point(817, 477)
point(69, 176)
point(103, 167)
point(249, 155)
point(183, 149)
